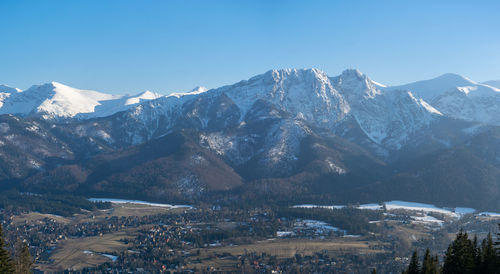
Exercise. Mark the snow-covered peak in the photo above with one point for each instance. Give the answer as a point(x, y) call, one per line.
point(8, 89)
point(453, 79)
point(307, 93)
point(354, 83)
point(5, 92)
point(429, 89)
point(387, 117)
point(55, 100)
point(198, 89)
point(195, 91)
point(290, 73)
point(458, 97)
point(349, 73)
point(147, 95)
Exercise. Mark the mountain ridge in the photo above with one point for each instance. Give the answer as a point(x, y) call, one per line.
point(289, 134)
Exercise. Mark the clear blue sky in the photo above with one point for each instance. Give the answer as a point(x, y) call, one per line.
point(122, 46)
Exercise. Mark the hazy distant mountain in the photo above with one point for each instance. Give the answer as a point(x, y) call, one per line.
point(493, 83)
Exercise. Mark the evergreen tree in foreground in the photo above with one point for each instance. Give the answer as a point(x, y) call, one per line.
point(24, 261)
point(489, 260)
point(464, 256)
point(414, 267)
point(6, 264)
point(460, 256)
point(430, 265)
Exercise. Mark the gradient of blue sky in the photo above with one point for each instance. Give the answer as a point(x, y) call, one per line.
point(123, 46)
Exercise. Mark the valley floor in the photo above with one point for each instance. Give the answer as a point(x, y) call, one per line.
point(142, 237)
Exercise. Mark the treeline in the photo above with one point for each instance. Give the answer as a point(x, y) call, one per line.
point(463, 255)
point(355, 221)
point(63, 205)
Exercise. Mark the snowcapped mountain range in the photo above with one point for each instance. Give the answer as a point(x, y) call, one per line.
point(388, 116)
point(308, 93)
point(298, 129)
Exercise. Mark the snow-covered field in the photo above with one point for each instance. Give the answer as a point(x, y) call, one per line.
point(426, 208)
point(489, 214)
point(317, 227)
point(282, 234)
point(121, 201)
point(109, 256)
point(418, 212)
point(319, 206)
point(411, 206)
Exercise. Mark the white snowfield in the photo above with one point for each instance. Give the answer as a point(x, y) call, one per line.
point(55, 100)
point(122, 201)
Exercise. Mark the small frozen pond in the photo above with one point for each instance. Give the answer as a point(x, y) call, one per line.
point(122, 201)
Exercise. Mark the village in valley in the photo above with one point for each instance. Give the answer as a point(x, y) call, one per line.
point(144, 237)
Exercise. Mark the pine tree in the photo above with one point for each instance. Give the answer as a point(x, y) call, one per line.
point(429, 264)
point(6, 265)
point(496, 247)
point(24, 261)
point(435, 263)
point(489, 263)
point(414, 267)
point(459, 257)
point(478, 258)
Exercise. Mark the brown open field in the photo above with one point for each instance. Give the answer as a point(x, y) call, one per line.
point(118, 210)
point(125, 210)
point(286, 249)
point(74, 253)
point(33, 217)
